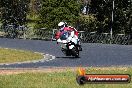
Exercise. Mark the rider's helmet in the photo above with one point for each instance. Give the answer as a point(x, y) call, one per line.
point(61, 25)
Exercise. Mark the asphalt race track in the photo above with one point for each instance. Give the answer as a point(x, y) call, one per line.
point(92, 54)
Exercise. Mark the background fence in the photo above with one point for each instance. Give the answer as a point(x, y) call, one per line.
point(44, 34)
point(105, 38)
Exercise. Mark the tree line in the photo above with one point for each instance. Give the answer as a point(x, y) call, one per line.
point(86, 15)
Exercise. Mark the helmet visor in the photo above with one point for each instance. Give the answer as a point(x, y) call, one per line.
point(60, 27)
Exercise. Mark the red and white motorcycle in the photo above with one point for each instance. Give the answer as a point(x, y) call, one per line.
point(69, 45)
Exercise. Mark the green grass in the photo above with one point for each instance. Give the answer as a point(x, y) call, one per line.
point(11, 55)
point(65, 79)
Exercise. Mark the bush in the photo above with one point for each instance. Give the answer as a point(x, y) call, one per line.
point(88, 23)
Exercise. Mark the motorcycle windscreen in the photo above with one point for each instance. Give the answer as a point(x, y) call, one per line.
point(64, 36)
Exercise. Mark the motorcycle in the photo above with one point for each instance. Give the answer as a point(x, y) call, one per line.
point(69, 48)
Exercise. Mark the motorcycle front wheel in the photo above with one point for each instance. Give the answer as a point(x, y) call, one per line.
point(75, 52)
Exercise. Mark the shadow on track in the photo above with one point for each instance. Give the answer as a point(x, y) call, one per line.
point(69, 57)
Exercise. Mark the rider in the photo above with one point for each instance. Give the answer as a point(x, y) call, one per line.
point(71, 30)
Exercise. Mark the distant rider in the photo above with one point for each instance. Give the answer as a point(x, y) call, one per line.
point(63, 27)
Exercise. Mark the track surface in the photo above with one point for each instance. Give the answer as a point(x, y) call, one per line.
point(92, 54)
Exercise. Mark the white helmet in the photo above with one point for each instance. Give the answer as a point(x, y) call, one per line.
point(61, 24)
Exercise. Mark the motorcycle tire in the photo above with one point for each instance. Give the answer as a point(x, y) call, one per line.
point(75, 52)
point(66, 52)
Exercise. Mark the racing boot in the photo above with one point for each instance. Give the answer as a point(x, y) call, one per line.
point(79, 48)
point(79, 45)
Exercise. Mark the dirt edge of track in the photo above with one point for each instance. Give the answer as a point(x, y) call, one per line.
point(11, 71)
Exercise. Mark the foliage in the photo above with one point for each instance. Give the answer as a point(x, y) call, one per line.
point(54, 11)
point(14, 11)
point(87, 22)
point(33, 10)
point(48, 13)
point(122, 15)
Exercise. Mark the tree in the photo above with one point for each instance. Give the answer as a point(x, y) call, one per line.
point(14, 11)
point(122, 15)
point(87, 23)
point(54, 11)
point(33, 10)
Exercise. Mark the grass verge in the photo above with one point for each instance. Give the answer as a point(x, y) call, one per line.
point(11, 55)
point(62, 79)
